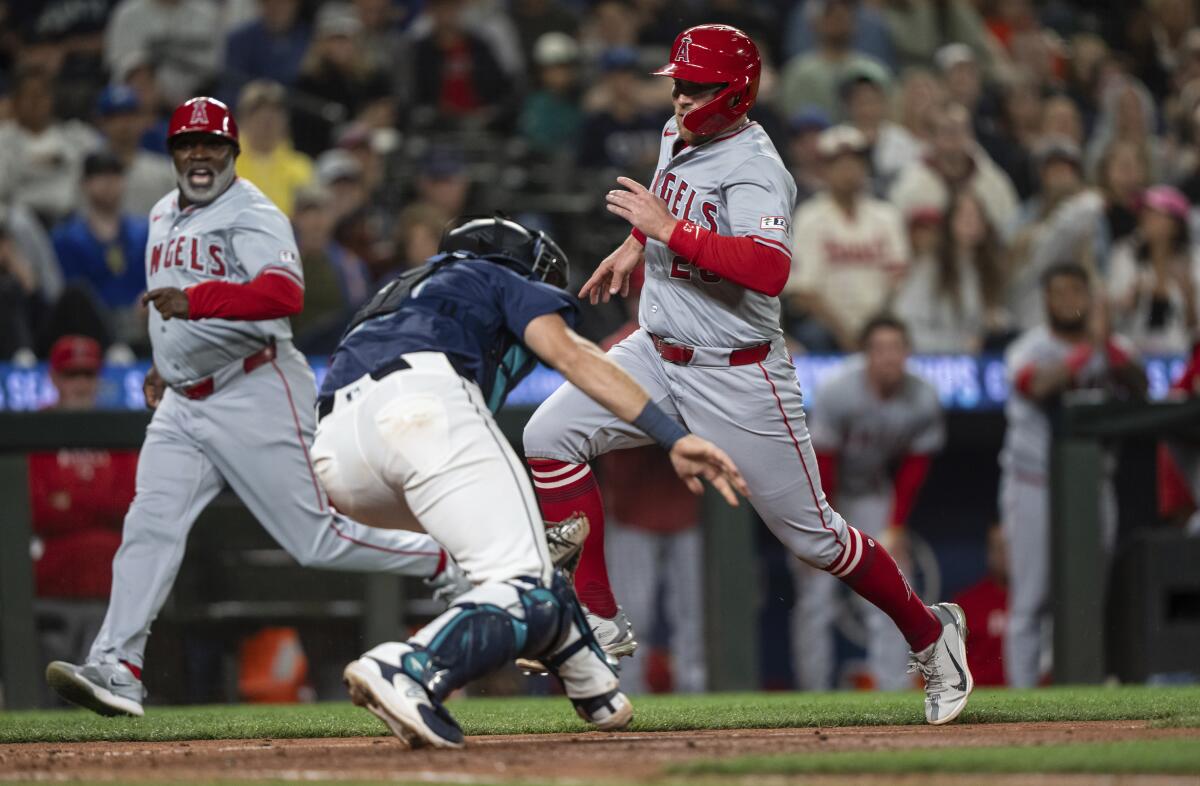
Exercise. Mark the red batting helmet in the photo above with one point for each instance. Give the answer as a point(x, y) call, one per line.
point(203, 115)
point(710, 54)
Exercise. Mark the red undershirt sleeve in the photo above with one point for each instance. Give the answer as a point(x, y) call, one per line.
point(827, 467)
point(274, 293)
point(910, 476)
point(753, 262)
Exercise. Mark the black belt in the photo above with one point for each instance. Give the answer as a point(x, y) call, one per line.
point(325, 403)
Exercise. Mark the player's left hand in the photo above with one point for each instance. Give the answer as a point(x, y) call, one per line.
point(642, 209)
point(695, 458)
point(170, 302)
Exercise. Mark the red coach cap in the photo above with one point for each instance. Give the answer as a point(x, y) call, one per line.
point(203, 115)
point(75, 353)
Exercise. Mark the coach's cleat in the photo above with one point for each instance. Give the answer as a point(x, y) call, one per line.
point(943, 664)
point(610, 711)
point(402, 703)
point(108, 689)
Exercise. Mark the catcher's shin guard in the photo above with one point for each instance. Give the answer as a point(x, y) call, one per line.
point(481, 631)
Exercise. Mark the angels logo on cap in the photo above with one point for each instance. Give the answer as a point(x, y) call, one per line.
point(199, 114)
point(682, 56)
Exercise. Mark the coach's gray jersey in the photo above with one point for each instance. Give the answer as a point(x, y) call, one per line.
point(1027, 438)
point(868, 433)
point(734, 185)
point(238, 236)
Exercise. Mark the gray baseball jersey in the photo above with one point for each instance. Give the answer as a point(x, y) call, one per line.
point(734, 185)
point(237, 237)
point(869, 433)
point(1026, 447)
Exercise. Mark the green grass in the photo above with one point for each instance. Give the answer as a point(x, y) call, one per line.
point(1175, 706)
point(1151, 757)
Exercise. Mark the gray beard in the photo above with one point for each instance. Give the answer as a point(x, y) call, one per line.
point(221, 181)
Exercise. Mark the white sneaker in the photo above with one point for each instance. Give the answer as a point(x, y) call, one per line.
point(402, 703)
point(943, 664)
point(614, 635)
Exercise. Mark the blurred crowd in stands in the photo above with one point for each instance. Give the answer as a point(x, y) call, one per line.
point(946, 151)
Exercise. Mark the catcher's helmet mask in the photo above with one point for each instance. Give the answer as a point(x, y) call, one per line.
point(530, 252)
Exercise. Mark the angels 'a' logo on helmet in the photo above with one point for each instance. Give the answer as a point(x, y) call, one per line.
point(682, 55)
point(199, 114)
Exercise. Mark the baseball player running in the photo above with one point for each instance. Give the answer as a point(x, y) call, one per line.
point(233, 404)
point(406, 434)
point(875, 426)
point(1067, 352)
point(714, 233)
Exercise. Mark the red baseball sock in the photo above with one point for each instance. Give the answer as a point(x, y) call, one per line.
point(565, 489)
point(869, 570)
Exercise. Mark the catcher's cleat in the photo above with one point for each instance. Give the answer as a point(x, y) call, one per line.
point(615, 636)
point(402, 703)
point(108, 689)
point(943, 664)
point(611, 711)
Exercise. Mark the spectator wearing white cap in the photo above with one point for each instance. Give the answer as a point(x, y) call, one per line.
point(955, 162)
point(849, 249)
point(551, 118)
point(182, 39)
point(813, 78)
point(1154, 276)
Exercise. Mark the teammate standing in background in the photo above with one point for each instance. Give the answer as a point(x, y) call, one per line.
point(1065, 353)
point(233, 404)
point(875, 428)
point(714, 232)
point(407, 438)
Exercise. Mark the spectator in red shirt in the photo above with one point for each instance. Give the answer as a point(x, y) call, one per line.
point(986, 607)
point(79, 497)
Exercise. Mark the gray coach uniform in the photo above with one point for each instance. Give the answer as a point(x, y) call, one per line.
point(735, 184)
point(869, 435)
point(1025, 501)
point(239, 410)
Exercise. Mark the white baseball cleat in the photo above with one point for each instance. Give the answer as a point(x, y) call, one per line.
point(611, 712)
point(943, 664)
point(402, 703)
point(614, 635)
point(108, 689)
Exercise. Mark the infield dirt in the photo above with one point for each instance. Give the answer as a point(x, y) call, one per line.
point(622, 758)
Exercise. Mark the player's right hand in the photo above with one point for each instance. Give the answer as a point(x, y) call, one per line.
point(695, 458)
point(153, 387)
point(612, 276)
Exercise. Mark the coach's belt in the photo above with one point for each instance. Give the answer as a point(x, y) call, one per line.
point(682, 354)
point(207, 386)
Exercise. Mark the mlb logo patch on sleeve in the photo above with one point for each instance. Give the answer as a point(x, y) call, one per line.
point(287, 257)
point(774, 222)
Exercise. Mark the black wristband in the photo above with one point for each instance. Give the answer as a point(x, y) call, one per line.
point(657, 425)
